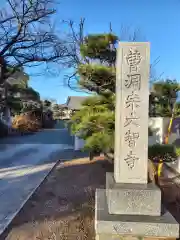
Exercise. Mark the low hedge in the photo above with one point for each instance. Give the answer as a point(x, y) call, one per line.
point(166, 152)
point(178, 152)
point(25, 124)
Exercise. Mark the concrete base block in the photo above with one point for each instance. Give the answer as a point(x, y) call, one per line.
point(127, 237)
point(115, 237)
point(132, 199)
point(142, 226)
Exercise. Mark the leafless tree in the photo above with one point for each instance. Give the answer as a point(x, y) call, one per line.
point(75, 37)
point(26, 36)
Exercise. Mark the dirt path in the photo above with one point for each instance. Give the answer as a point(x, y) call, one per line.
point(63, 208)
point(171, 197)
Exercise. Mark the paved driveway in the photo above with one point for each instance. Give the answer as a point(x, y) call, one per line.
point(24, 163)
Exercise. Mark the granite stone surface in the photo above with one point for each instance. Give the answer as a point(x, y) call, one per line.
point(131, 115)
point(132, 199)
point(124, 237)
point(114, 224)
point(115, 237)
point(129, 206)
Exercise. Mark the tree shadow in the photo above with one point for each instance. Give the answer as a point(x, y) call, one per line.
point(45, 136)
point(67, 192)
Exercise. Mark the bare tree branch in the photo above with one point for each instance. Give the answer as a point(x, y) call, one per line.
point(76, 38)
point(26, 36)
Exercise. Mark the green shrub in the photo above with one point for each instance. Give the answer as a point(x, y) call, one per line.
point(166, 152)
point(26, 123)
point(177, 152)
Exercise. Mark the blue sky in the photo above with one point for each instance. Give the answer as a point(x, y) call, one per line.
point(157, 20)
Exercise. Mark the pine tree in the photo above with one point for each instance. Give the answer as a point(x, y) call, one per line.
point(95, 121)
point(163, 96)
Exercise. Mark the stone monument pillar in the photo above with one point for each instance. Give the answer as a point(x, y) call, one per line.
point(130, 206)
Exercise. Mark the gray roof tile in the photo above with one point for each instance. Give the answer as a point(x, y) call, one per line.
point(75, 102)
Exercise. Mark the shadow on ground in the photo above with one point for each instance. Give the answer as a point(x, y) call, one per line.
point(45, 136)
point(63, 206)
point(9, 174)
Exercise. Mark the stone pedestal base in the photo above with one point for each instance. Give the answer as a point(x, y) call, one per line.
point(115, 225)
point(127, 237)
point(132, 199)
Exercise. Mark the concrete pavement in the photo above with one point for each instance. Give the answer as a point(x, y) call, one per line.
point(24, 163)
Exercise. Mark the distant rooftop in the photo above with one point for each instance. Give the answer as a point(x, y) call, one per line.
point(75, 102)
point(63, 105)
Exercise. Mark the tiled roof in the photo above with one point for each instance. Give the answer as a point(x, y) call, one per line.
point(75, 102)
point(63, 105)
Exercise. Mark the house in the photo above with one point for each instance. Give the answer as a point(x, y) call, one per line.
point(73, 103)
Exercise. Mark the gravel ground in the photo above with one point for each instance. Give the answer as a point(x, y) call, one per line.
point(63, 206)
